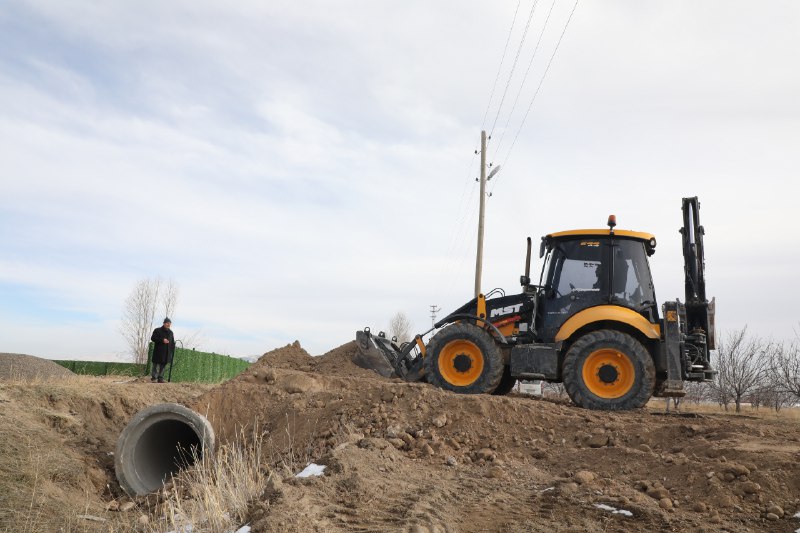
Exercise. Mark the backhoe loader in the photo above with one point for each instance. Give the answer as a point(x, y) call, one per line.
point(591, 322)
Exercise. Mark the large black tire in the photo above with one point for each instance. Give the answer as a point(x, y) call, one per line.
point(464, 358)
point(506, 383)
point(609, 370)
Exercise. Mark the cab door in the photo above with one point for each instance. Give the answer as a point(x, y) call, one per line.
point(578, 278)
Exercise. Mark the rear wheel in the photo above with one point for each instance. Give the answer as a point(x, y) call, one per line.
point(506, 383)
point(464, 358)
point(609, 370)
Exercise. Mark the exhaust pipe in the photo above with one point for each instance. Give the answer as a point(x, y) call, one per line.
point(157, 443)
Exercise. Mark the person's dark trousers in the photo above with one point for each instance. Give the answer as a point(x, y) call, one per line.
point(158, 371)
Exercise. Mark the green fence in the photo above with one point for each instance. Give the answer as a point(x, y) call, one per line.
point(101, 368)
point(191, 365)
point(188, 365)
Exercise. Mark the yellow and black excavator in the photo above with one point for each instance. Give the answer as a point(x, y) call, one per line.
point(592, 322)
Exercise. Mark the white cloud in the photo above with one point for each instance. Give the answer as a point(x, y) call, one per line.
point(303, 170)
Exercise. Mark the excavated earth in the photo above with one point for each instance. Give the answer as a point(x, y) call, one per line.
point(408, 457)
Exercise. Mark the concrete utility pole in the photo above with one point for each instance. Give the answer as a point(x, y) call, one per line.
point(434, 309)
point(481, 212)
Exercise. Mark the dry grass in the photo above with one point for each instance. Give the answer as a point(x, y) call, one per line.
point(213, 495)
point(49, 474)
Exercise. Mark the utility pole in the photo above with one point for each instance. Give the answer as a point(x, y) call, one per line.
point(481, 212)
point(434, 309)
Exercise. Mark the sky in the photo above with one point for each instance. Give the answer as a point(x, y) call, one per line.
point(305, 169)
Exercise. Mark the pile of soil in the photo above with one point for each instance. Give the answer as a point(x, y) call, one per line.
point(27, 367)
point(57, 442)
point(411, 457)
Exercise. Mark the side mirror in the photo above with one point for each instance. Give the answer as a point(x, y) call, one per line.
point(542, 248)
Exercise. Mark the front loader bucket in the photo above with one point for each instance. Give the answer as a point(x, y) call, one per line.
point(376, 352)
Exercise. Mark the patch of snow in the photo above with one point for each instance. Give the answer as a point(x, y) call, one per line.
point(312, 470)
point(243, 529)
point(613, 510)
point(797, 514)
point(188, 528)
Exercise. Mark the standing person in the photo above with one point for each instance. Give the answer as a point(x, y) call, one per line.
point(163, 350)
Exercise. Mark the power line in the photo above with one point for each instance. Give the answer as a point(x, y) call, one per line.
point(514, 65)
point(550, 62)
point(500, 68)
point(524, 78)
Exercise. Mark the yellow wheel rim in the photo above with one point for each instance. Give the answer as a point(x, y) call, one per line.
point(608, 373)
point(460, 363)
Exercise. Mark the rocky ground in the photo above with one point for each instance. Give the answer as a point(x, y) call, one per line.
point(409, 457)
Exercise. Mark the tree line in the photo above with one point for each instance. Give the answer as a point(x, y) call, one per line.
point(752, 369)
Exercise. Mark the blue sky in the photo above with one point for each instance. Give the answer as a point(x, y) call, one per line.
point(305, 169)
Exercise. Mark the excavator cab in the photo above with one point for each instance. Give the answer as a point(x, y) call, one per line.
point(588, 268)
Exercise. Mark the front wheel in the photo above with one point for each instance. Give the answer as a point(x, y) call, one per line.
point(464, 358)
point(609, 370)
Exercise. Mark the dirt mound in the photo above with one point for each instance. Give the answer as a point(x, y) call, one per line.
point(290, 357)
point(57, 442)
point(339, 362)
point(26, 367)
point(411, 457)
point(406, 457)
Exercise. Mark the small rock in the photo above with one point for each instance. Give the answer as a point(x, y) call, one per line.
point(127, 506)
point(699, 507)
point(451, 461)
point(645, 448)
point(772, 516)
point(749, 487)
point(274, 483)
point(737, 470)
point(597, 441)
point(486, 454)
point(143, 520)
point(427, 449)
point(715, 518)
point(113, 505)
point(583, 477)
point(408, 439)
point(709, 475)
point(658, 493)
point(496, 472)
point(440, 421)
point(775, 509)
point(665, 503)
point(567, 488)
point(397, 443)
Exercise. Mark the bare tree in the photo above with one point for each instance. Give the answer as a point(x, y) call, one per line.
point(400, 327)
point(194, 340)
point(784, 373)
point(742, 363)
point(697, 392)
point(169, 297)
point(137, 317)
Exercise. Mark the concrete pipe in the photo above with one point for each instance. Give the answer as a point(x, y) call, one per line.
point(157, 443)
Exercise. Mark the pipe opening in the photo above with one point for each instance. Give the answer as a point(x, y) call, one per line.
point(157, 443)
point(164, 449)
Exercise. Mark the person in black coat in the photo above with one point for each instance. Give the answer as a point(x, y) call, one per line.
point(163, 351)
